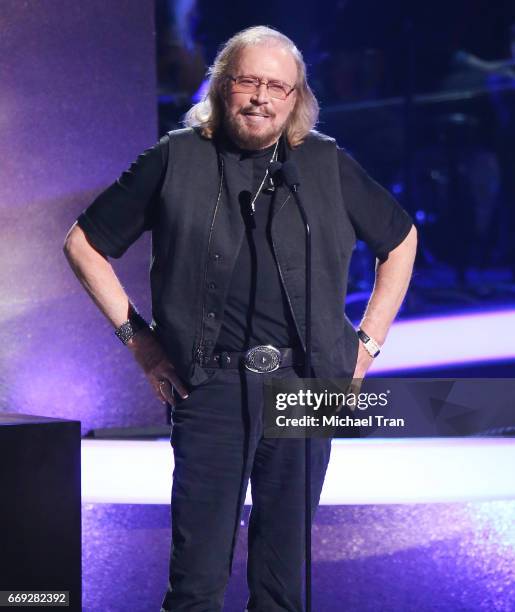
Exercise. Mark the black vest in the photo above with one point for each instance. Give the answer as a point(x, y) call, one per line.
point(197, 236)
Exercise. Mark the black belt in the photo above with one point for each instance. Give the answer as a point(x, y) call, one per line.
point(263, 359)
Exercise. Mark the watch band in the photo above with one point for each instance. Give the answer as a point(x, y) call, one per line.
point(127, 330)
point(371, 346)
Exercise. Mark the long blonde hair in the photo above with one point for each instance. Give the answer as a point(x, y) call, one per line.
point(208, 113)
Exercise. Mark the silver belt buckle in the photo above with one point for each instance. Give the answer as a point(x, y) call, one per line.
point(263, 359)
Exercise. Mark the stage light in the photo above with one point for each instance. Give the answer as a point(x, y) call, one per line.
point(364, 471)
point(448, 340)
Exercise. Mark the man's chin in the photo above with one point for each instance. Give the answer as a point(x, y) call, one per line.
point(256, 141)
point(249, 139)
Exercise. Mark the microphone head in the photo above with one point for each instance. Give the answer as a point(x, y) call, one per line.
point(274, 168)
point(290, 174)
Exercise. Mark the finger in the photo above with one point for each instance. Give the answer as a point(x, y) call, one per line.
point(166, 391)
point(162, 400)
point(160, 397)
point(166, 371)
point(354, 389)
point(356, 386)
point(178, 385)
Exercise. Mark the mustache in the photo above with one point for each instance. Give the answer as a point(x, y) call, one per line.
point(255, 109)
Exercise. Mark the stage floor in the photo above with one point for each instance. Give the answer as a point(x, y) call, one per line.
point(366, 558)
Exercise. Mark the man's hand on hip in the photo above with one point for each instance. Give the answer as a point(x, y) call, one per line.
point(159, 371)
point(363, 362)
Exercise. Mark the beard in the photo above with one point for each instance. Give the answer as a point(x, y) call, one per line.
point(250, 137)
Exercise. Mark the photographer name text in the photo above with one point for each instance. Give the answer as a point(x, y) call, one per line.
point(375, 420)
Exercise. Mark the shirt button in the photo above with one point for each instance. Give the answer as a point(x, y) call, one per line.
point(217, 257)
point(210, 315)
point(212, 285)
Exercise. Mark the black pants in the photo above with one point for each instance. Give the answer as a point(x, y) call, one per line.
point(218, 443)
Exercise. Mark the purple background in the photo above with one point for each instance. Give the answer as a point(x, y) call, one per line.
point(78, 105)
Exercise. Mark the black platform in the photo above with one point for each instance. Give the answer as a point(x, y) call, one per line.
point(40, 507)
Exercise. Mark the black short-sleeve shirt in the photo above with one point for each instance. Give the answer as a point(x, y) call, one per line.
point(376, 216)
point(121, 213)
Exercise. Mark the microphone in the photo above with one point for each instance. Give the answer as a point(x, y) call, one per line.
point(274, 172)
point(290, 175)
point(275, 168)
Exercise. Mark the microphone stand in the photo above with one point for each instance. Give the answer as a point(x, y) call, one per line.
point(307, 374)
point(290, 176)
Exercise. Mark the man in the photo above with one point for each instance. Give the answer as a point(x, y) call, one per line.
point(227, 281)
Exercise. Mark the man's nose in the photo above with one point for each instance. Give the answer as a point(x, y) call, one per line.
point(260, 96)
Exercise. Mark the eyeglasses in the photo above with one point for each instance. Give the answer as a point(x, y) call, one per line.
point(251, 84)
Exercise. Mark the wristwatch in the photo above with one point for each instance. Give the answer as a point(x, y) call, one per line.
point(128, 330)
point(371, 346)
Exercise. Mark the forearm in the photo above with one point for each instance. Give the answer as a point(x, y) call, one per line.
point(391, 283)
point(97, 276)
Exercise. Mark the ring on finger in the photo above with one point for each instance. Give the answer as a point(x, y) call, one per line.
point(162, 382)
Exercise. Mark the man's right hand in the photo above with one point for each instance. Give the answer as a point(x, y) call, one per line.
point(159, 371)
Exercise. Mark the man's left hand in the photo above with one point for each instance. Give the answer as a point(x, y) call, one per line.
point(363, 362)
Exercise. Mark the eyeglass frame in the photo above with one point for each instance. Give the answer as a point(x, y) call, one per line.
point(260, 82)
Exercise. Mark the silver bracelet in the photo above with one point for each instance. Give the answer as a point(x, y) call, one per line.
point(127, 330)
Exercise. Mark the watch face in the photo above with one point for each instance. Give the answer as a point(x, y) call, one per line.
point(370, 345)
